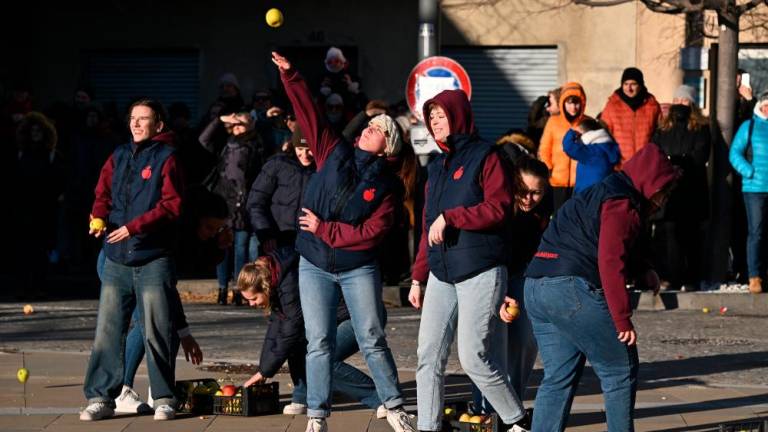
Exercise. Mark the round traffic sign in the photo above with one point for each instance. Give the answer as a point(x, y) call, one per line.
point(431, 76)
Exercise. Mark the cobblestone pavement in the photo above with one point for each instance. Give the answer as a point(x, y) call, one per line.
point(676, 347)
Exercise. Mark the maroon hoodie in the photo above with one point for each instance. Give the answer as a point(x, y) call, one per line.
point(621, 224)
point(169, 206)
point(497, 204)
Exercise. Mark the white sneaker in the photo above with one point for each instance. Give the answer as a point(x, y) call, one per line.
point(381, 412)
point(97, 411)
point(317, 424)
point(400, 420)
point(130, 402)
point(517, 428)
point(165, 412)
point(295, 408)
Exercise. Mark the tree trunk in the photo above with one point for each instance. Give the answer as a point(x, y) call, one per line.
point(723, 130)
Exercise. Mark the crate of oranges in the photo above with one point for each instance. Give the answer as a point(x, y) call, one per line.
point(258, 399)
point(478, 423)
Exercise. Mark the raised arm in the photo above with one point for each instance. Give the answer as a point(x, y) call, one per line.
point(320, 137)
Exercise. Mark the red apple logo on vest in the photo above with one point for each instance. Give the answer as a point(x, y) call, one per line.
point(369, 194)
point(146, 173)
point(458, 173)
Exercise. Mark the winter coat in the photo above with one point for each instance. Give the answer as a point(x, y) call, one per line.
point(631, 129)
point(689, 150)
point(239, 162)
point(754, 172)
point(597, 154)
point(551, 151)
point(275, 198)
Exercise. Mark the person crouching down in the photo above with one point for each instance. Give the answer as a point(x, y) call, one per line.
point(271, 283)
point(575, 291)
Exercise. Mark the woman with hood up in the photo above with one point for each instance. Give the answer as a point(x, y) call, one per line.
point(573, 103)
point(349, 207)
point(461, 258)
point(575, 290)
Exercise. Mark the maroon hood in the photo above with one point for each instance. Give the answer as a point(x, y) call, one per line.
point(168, 137)
point(650, 170)
point(456, 106)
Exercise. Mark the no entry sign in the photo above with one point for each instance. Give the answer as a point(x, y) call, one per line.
point(431, 76)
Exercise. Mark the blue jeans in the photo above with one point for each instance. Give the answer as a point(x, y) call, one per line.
point(346, 378)
point(134, 343)
point(756, 205)
point(361, 288)
point(521, 348)
point(245, 248)
point(468, 310)
point(572, 324)
point(147, 289)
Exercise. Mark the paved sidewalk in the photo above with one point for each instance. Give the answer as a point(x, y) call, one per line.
point(52, 396)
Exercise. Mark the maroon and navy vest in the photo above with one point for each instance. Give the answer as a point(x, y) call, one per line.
point(350, 186)
point(455, 182)
point(569, 245)
point(136, 188)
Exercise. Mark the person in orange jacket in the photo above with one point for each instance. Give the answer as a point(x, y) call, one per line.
point(573, 102)
point(631, 114)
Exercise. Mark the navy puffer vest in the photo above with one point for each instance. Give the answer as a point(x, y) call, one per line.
point(350, 186)
point(569, 245)
point(136, 188)
point(454, 181)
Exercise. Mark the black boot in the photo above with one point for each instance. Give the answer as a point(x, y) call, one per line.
point(237, 299)
point(222, 296)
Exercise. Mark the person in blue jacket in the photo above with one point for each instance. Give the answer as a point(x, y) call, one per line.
point(749, 157)
point(595, 150)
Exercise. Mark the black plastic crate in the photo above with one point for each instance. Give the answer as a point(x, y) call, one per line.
point(754, 425)
point(259, 399)
point(196, 403)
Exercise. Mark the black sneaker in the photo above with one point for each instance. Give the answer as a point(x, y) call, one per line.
point(222, 300)
point(237, 299)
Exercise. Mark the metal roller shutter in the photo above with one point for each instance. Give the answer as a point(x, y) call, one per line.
point(505, 81)
point(121, 77)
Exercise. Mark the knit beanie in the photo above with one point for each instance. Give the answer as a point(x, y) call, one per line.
point(392, 133)
point(632, 73)
point(298, 140)
point(229, 78)
point(334, 53)
point(685, 92)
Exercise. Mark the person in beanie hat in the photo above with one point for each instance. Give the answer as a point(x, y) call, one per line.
point(274, 202)
point(338, 79)
point(229, 94)
point(631, 113)
point(686, 92)
point(752, 137)
point(349, 208)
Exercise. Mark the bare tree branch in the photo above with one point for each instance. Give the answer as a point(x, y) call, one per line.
point(750, 5)
point(601, 3)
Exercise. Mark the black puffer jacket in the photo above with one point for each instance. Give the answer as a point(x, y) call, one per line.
point(689, 150)
point(275, 198)
point(239, 161)
point(285, 332)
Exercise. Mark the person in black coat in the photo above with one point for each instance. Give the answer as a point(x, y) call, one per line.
point(684, 136)
point(239, 161)
point(274, 201)
point(272, 283)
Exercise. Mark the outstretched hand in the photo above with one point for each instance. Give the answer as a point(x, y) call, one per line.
point(281, 62)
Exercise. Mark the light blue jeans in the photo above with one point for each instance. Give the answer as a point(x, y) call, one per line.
point(521, 348)
point(470, 311)
point(245, 248)
point(320, 291)
point(572, 324)
point(347, 379)
point(147, 289)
